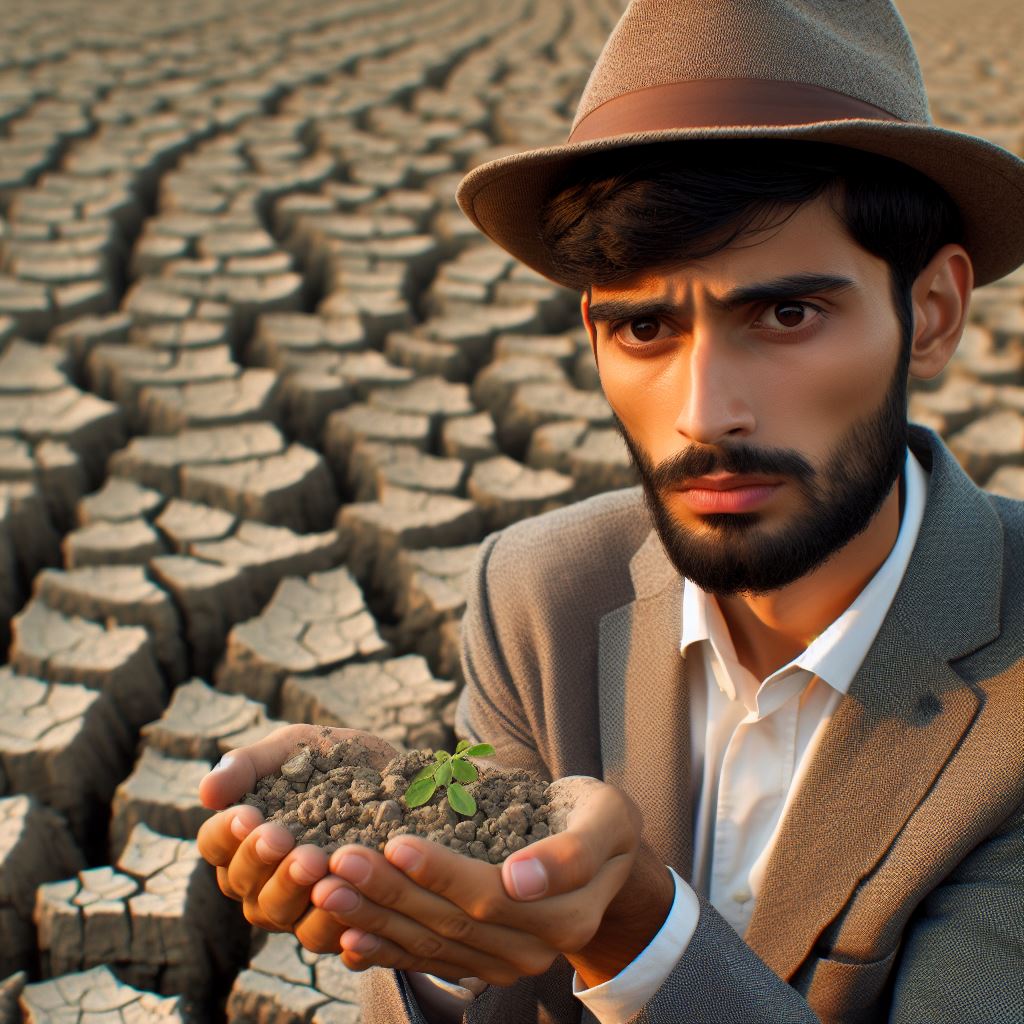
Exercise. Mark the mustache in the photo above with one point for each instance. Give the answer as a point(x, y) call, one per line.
point(728, 458)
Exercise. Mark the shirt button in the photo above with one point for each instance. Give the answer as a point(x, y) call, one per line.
point(742, 895)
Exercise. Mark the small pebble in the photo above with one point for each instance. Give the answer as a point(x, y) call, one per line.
point(298, 768)
point(387, 810)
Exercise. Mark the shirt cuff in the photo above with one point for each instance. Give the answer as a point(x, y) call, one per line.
point(619, 998)
point(442, 1000)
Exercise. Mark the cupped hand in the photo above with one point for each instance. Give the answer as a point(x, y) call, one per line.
point(257, 862)
point(422, 907)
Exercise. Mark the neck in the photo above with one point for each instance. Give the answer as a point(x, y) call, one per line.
point(769, 630)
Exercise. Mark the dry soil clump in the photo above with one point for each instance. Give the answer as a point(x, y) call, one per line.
point(342, 794)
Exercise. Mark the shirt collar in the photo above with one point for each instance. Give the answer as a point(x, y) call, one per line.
point(837, 652)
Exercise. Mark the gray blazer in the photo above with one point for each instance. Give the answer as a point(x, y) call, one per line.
point(896, 889)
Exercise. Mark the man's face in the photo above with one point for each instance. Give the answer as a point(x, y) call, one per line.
point(763, 398)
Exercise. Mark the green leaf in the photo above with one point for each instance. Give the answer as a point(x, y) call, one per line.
point(464, 771)
point(480, 750)
point(460, 800)
point(442, 755)
point(424, 773)
point(420, 792)
point(462, 746)
point(443, 773)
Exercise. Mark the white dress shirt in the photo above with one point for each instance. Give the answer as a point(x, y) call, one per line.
point(750, 743)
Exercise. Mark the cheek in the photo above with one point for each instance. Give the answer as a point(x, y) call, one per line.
point(835, 396)
point(853, 377)
point(644, 396)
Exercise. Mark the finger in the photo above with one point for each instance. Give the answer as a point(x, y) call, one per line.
point(565, 921)
point(397, 881)
point(352, 910)
point(220, 836)
point(472, 885)
point(361, 949)
point(439, 870)
point(257, 858)
point(553, 866)
point(225, 885)
point(235, 774)
point(237, 771)
point(319, 930)
point(424, 924)
point(285, 896)
point(600, 823)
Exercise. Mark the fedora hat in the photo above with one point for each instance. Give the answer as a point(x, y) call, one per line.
point(837, 71)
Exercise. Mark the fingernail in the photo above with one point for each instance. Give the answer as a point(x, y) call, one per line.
point(528, 878)
point(366, 943)
point(353, 869)
point(405, 857)
point(239, 828)
point(271, 847)
point(224, 763)
point(341, 901)
point(301, 874)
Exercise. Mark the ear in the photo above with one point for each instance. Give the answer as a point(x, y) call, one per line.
point(588, 323)
point(941, 296)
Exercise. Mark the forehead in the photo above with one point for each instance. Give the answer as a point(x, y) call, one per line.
point(809, 239)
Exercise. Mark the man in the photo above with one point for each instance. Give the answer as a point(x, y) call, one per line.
point(804, 688)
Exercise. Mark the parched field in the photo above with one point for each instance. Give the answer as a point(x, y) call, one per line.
point(263, 391)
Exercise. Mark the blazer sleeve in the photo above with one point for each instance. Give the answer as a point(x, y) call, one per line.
point(720, 978)
point(494, 707)
point(963, 956)
point(961, 960)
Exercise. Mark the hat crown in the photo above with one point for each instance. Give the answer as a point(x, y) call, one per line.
point(859, 48)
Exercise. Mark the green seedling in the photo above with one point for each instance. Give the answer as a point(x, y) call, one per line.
point(449, 771)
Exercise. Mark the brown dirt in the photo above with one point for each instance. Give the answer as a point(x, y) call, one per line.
point(342, 794)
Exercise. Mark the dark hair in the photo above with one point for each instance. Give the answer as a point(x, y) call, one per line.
point(664, 204)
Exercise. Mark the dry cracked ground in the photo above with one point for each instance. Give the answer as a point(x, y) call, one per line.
point(263, 391)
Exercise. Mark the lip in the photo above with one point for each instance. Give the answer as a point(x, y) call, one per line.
point(728, 482)
point(727, 492)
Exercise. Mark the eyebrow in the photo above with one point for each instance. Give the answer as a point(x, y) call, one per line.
point(783, 288)
point(628, 309)
point(766, 291)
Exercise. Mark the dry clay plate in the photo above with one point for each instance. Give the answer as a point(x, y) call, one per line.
point(344, 792)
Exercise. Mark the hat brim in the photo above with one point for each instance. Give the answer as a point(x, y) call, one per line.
point(504, 197)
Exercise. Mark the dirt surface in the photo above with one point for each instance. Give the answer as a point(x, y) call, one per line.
point(341, 794)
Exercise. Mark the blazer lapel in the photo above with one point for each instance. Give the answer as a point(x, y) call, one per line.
point(891, 735)
point(644, 704)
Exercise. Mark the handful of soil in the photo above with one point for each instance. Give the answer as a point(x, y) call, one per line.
point(342, 794)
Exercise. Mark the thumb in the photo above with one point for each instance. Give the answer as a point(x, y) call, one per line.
point(237, 771)
point(594, 825)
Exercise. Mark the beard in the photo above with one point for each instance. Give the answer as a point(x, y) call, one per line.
point(734, 552)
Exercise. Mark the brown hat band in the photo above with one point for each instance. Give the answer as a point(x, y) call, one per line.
point(721, 103)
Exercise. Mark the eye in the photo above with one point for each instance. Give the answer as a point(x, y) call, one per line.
point(640, 329)
point(787, 315)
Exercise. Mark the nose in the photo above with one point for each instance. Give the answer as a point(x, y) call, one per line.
point(712, 386)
